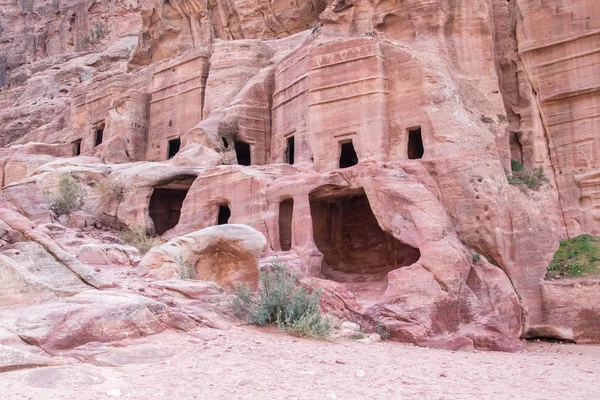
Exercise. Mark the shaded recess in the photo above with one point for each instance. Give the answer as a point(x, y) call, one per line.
point(415, 144)
point(174, 146)
point(289, 150)
point(166, 202)
point(286, 212)
point(99, 134)
point(77, 147)
point(224, 214)
point(348, 156)
point(356, 250)
point(242, 152)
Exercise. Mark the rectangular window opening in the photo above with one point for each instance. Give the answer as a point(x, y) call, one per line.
point(415, 144)
point(77, 147)
point(174, 146)
point(286, 213)
point(99, 134)
point(289, 150)
point(242, 152)
point(348, 156)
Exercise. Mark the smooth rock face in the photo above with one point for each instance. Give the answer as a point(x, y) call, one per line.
point(362, 144)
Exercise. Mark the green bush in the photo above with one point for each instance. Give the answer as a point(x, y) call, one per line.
point(578, 256)
point(533, 178)
point(69, 196)
point(281, 301)
point(139, 238)
point(383, 331)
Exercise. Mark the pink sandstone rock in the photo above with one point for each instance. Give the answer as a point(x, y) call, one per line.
point(367, 142)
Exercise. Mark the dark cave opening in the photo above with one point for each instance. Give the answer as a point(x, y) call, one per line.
point(415, 144)
point(286, 212)
point(173, 147)
point(242, 152)
point(224, 214)
point(166, 203)
point(356, 250)
point(348, 156)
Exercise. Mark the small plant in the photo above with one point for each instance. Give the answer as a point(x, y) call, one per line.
point(533, 178)
point(110, 192)
point(486, 120)
point(383, 331)
point(96, 34)
point(476, 257)
point(69, 196)
point(281, 301)
point(578, 256)
point(186, 270)
point(357, 336)
point(139, 238)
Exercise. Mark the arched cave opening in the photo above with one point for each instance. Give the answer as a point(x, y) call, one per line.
point(357, 252)
point(415, 144)
point(166, 203)
point(242, 152)
point(286, 213)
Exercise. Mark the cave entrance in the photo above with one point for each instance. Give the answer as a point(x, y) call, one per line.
point(166, 203)
point(286, 213)
point(174, 146)
point(415, 144)
point(242, 152)
point(357, 252)
point(224, 214)
point(99, 134)
point(348, 156)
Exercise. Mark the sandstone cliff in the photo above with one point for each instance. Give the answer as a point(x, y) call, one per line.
point(366, 140)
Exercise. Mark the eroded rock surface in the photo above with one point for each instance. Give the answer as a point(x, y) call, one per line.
point(365, 145)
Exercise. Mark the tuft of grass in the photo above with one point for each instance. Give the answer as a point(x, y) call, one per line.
point(139, 238)
point(383, 331)
point(111, 192)
point(357, 336)
point(69, 196)
point(476, 257)
point(533, 178)
point(186, 270)
point(578, 256)
point(282, 302)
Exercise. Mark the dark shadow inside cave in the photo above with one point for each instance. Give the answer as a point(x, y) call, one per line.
point(166, 202)
point(357, 252)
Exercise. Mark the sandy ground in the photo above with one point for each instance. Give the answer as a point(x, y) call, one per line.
point(245, 363)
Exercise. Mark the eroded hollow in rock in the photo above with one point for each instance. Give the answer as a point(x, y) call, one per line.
point(357, 252)
point(166, 203)
point(286, 211)
point(224, 214)
point(227, 264)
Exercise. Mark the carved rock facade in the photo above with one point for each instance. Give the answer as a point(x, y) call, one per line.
point(366, 140)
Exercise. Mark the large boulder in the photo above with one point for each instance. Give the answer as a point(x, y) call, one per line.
point(224, 254)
